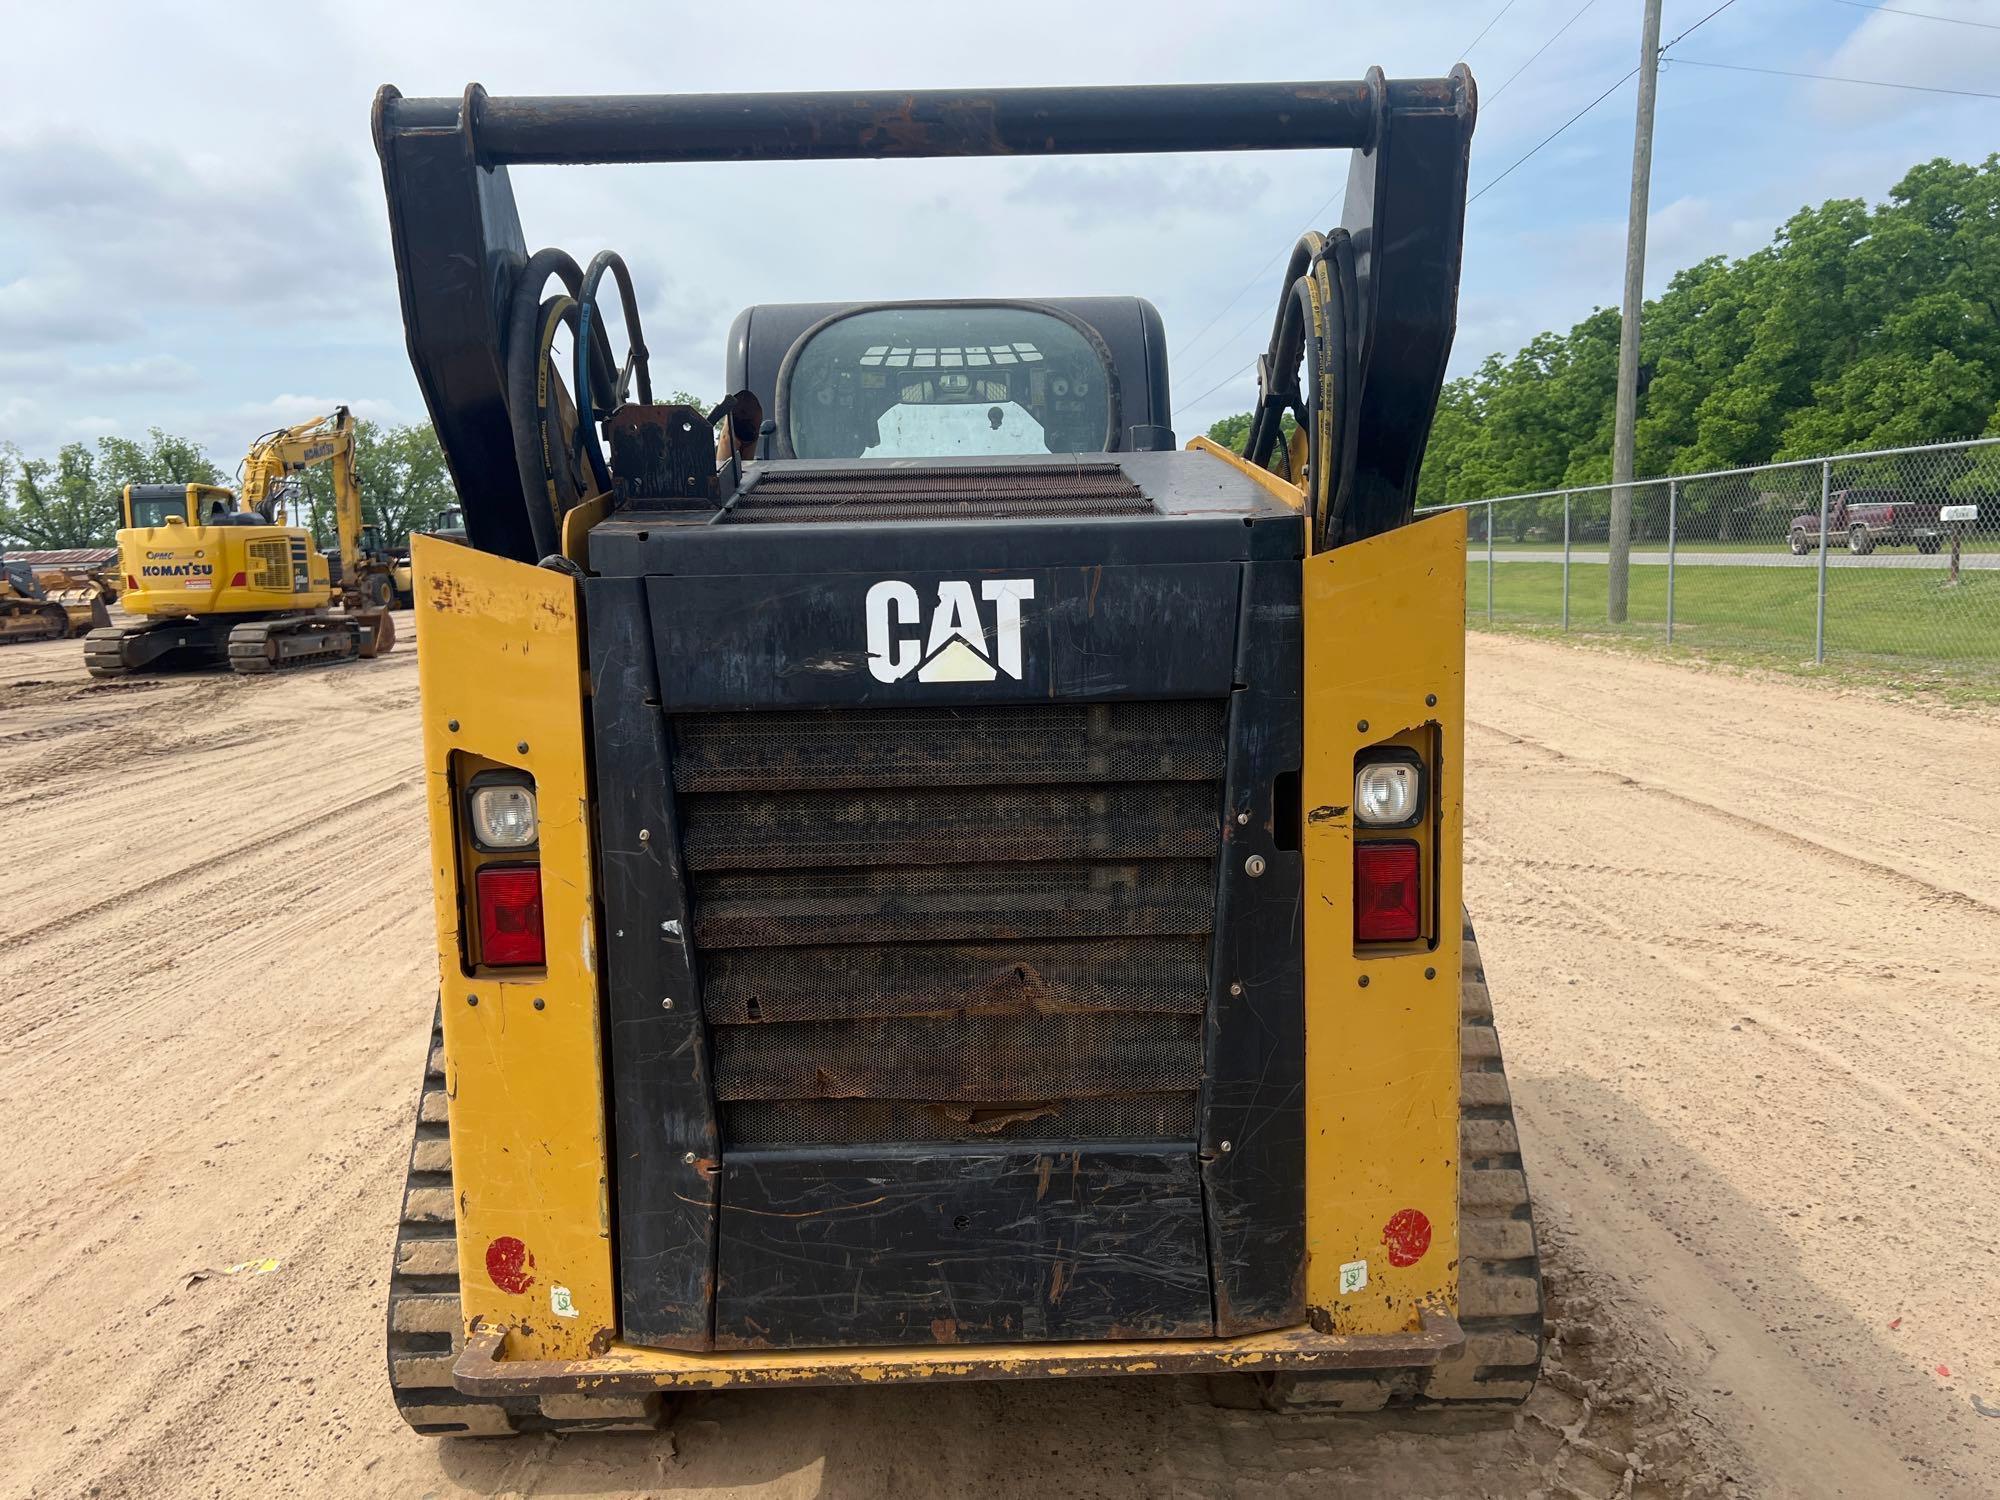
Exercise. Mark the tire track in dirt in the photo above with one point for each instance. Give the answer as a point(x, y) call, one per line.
point(1764, 1100)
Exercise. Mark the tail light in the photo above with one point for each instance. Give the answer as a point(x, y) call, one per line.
point(509, 902)
point(1388, 891)
point(131, 584)
point(236, 580)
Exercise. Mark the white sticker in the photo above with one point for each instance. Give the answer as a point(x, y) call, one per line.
point(1353, 1277)
point(562, 1307)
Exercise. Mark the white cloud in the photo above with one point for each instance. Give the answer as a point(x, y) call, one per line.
point(238, 233)
point(149, 372)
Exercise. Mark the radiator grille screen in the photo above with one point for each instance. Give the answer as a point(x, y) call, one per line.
point(270, 565)
point(963, 924)
point(940, 492)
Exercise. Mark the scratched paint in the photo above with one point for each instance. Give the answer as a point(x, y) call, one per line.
point(1407, 1236)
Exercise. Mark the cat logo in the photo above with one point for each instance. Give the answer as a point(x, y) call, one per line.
point(958, 647)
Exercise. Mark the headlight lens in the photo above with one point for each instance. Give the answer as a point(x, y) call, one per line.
point(1388, 793)
point(503, 817)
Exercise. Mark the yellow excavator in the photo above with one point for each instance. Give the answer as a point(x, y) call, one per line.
point(219, 575)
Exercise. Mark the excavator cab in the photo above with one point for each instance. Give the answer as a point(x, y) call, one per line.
point(146, 505)
point(960, 886)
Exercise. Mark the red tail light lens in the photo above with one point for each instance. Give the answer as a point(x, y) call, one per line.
point(509, 898)
point(131, 584)
point(1388, 894)
point(236, 581)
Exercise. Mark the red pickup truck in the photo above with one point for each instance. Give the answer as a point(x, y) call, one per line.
point(1869, 519)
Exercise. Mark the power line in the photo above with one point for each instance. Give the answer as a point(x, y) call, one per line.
point(1243, 370)
point(1539, 51)
point(1521, 161)
point(1873, 83)
point(1466, 51)
point(1921, 15)
point(1696, 27)
point(1261, 274)
point(1592, 105)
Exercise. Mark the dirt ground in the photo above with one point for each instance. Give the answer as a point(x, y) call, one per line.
point(1741, 935)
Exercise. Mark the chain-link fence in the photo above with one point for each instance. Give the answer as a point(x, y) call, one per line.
point(1891, 557)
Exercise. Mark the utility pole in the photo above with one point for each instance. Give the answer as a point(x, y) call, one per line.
point(1620, 569)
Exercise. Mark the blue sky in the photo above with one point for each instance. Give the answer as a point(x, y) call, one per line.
point(192, 233)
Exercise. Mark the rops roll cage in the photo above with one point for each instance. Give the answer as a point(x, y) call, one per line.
point(1367, 310)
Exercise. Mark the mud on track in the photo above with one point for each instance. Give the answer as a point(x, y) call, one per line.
point(1749, 1016)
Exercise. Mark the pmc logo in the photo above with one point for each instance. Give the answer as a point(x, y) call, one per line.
point(957, 646)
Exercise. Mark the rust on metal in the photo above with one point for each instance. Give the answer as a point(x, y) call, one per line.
point(483, 1369)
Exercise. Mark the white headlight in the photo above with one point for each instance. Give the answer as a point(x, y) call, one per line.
point(503, 817)
point(1387, 793)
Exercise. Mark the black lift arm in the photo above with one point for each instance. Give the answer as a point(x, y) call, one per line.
point(459, 247)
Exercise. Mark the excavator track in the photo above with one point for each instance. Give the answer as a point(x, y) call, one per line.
point(1499, 1265)
point(426, 1326)
point(152, 645)
point(257, 647)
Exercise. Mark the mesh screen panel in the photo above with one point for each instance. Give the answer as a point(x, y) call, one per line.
point(754, 831)
point(838, 1122)
point(954, 924)
point(891, 979)
point(824, 749)
point(970, 903)
point(959, 1056)
point(940, 493)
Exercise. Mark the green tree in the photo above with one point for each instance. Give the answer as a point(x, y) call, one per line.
point(72, 499)
point(1857, 327)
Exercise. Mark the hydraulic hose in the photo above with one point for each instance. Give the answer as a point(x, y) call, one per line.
point(590, 333)
point(553, 474)
point(1307, 373)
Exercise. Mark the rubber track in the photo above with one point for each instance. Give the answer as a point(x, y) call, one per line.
point(1499, 1269)
point(1499, 1264)
point(426, 1327)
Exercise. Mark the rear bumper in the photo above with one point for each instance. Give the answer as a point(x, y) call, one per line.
point(483, 1369)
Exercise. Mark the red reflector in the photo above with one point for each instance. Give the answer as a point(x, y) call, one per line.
point(131, 584)
point(236, 581)
point(1388, 899)
point(510, 916)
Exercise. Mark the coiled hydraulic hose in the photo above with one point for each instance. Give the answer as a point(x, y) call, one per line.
point(589, 334)
point(555, 442)
point(1307, 372)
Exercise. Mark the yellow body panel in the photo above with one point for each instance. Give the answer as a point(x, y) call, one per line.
point(1384, 632)
point(189, 570)
point(1280, 488)
point(501, 670)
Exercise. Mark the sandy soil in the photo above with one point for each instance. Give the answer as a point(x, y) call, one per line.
point(1740, 936)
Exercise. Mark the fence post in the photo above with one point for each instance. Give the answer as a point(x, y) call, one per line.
point(1819, 609)
point(1673, 496)
point(1565, 560)
point(1489, 562)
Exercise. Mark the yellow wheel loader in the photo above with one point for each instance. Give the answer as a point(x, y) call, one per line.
point(962, 888)
point(217, 575)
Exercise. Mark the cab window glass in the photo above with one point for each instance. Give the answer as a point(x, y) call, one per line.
point(930, 382)
point(155, 510)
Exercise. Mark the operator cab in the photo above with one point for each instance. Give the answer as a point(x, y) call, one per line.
point(191, 504)
point(902, 380)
